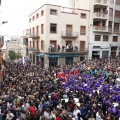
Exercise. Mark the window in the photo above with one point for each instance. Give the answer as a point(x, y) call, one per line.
point(84, 16)
point(82, 45)
point(53, 12)
point(33, 18)
point(33, 44)
point(30, 31)
point(82, 30)
point(37, 16)
point(30, 20)
point(37, 44)
point(110, 24)
point(115, 38)
point(105, 38)
point(96, 47)
point(53, 28)
point(111, 12)
point(42, 13)
point(42, 45)
point(117, 14)
point(97, 37)
point(42, 28)
point(30, 43)
point(117, 2)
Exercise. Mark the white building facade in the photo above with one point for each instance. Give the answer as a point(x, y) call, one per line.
point(58, 35)
point(17, 45)
point(104, 26)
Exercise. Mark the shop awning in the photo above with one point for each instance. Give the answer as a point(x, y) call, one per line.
point(40, 55)
point(63, 55)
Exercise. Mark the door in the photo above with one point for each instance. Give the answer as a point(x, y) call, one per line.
point(42, 62)
point(95, 54)
point(69, 30)
point(53, 62)
point(69, 60)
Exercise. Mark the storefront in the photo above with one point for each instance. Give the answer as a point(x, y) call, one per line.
point(105, 54)
point(95, 54)
point(53, 62)
point(69, 60)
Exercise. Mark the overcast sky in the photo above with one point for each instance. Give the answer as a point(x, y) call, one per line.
point(16, 12)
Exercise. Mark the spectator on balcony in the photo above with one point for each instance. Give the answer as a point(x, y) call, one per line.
point(58, 47)
point(71, 48)
point(67, 48)
point(52, 48)
point(63, 47)
point(75, 49)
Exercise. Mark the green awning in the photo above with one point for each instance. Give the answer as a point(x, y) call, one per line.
point(40, 55)
point(63, 55)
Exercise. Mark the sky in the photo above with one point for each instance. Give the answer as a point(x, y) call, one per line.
point(16, 12)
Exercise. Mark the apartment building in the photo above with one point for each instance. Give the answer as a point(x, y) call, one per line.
point(16, 44)
point(24, 38)
point(58, 35)
point(104, 26)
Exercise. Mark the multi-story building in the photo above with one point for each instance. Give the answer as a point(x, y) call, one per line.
point(104, 26)
point(58, 35)
point(25, 41)
point(17, 45)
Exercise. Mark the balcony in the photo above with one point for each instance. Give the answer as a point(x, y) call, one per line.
point(117, 20)
point(116, 30)
point(73, 35)
point(100, 3)
point(101, 29)
point(61, 51)
point(35, 50)
point(99, 15)
point(34, 35)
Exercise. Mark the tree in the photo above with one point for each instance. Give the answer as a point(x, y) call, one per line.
point(18, 55)
point(12, 55)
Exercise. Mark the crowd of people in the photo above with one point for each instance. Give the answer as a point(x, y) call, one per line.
point(85, 91)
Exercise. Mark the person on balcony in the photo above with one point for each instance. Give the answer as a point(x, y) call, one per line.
point(58, 47)
point(52, 48)
point(71, 48)
point(63, 47)
point(67, 48)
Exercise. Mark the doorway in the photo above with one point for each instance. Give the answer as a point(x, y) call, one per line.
point(53, 62)
point(95, 54)
point(69, 60)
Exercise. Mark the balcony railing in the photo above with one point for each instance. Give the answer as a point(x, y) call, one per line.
point(117, 20)
point(109, 29)
point(116, 30)
point(33, 49)
point(33, 35)
point(71, 50)
point(102, 29)
point(100, 2)
point(69, 34)
point(100, 15)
